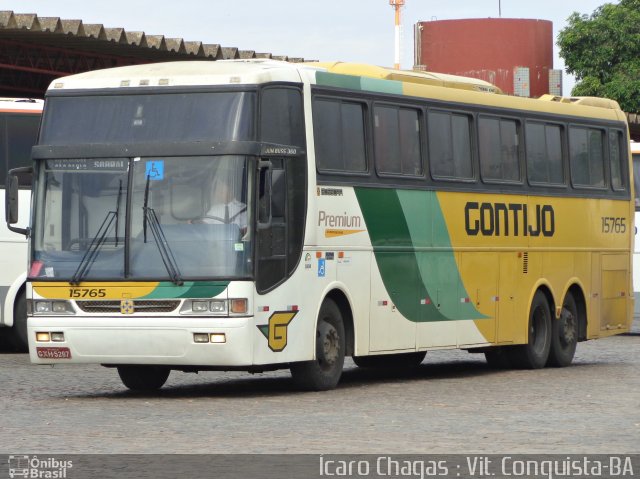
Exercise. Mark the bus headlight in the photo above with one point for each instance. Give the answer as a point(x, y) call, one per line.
point(52, 307)
point(199, 307)
point(216, 307)
point(42, 307)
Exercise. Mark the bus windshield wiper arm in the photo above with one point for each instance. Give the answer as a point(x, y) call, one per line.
point(170, 264)
point(150, 220)
point(92, 252)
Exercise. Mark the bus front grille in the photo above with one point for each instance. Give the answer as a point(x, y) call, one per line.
point(139, 306)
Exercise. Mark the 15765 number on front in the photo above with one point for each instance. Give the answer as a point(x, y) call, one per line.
point(87, 292)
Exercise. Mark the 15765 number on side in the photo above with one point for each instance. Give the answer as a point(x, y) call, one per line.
point(612, 224)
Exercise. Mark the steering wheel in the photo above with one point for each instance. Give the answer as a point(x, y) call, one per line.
point(219, 219)
point(209, 217)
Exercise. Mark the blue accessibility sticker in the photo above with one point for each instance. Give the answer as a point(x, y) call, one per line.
point(154, 170)
point(321, 268)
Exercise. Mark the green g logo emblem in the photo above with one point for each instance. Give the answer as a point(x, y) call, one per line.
point(276, 330)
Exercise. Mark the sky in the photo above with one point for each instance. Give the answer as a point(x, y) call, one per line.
point(351, 30)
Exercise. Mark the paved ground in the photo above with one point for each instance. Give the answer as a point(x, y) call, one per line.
point(452, 403)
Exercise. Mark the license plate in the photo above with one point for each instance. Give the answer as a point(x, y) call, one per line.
point(54, 353)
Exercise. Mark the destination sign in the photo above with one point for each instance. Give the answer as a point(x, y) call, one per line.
point(87, 165)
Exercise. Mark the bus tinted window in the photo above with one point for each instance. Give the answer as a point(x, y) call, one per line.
point(214, 116)
point(19, 133)
point(586, 155)
point(544, 153)
point(615, 157)
point(449, 145)
point(397, 140)
point(499, 159)
point(282, 119)
point(339, 135)
point(636, 179)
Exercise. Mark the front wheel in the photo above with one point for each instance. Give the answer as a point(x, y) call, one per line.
point(564, 334)
point(534, 354)
point(143, 378)
point(18, 336)
point(324, 371)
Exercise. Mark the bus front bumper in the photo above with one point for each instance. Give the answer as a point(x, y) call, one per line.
point(144, 340)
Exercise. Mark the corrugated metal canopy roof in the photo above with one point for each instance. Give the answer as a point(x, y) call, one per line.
point(35, 50)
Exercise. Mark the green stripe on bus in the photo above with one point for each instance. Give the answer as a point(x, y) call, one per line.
point(381, 86)
point(358, 83)
point(438, 269)
point(341, 81)
point(402, 225)
point(190, 289)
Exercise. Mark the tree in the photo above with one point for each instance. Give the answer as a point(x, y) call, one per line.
point(603, 52)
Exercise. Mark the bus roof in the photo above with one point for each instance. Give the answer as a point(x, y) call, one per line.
point(185, 73)
point(410, 76)
point(20, 105)
point(338, 74)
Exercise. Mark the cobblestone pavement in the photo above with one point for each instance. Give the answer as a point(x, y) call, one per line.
point(452, 403)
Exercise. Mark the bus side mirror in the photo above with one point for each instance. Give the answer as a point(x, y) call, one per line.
point(11, 199)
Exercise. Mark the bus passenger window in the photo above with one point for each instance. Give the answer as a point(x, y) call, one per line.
point(397, 140)
point(586, 157)
point(449, 145)
point(499, 149)
point(544, 153)
point(339, 135)
point(615, 158)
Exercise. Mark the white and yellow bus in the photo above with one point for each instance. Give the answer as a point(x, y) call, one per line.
point(19, 122)
point(257, 215)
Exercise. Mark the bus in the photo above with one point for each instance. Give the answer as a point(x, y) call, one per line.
point(257, 215)
point(19, 122)
point(635, 155)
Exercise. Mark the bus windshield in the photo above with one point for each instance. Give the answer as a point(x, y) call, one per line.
point(165, 218)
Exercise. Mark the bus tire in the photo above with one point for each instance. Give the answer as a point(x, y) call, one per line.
point(564, 334)
point(143, 378)
point(390, 361)
point(19, 338)
point(324, 372)
point(534, 354)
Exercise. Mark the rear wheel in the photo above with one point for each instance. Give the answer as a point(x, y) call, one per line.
point(324, 371)
point(564, 334)
point(143, 378)
point(535, 353)
point(390, 361)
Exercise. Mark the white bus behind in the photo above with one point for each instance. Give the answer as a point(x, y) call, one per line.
point(19, 122)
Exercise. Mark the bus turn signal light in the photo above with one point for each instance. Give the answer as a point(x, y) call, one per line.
point(238, 305)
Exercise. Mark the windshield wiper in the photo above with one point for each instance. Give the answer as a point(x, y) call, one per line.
point(92, 252)
point(151, 220)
